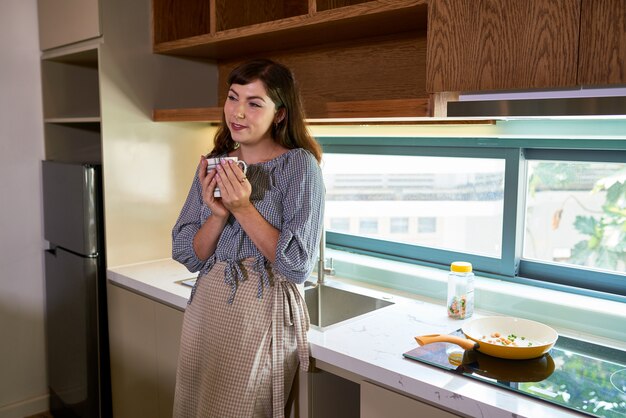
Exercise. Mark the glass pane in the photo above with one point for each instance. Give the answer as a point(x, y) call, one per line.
point(444, 202)
point(399, 225)
point(340, 224)
point(576, 214)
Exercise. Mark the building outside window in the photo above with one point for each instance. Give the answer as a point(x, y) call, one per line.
point(399, 225)
point(340, 224)
point(368, 226)
point(427, 224)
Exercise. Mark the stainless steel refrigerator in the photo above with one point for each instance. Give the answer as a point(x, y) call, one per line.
point(75, 280)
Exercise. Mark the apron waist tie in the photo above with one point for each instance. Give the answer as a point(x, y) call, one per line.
point(232, 274)
point(289, 310)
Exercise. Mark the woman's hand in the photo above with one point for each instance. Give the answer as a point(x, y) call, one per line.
point(234, 186)
point(208, 183)
point(236, 191)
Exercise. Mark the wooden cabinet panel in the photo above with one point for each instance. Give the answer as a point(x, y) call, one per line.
point(602, 42)
point(336, 76)
point(63, 22)
point(378, 402)
point(495, 44)
point(232, 14)
point(335, 4)
point(178, 19)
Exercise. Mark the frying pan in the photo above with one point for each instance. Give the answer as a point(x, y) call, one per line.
point(534, 338)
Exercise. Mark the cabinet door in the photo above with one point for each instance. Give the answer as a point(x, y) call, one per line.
point(62, 22)
point(501, 44)
point(602, 43)
point(144, 336)
point(133, 354)
point(377, 402)
point(169, 326)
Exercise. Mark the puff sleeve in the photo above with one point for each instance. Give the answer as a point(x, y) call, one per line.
point(192, 216)
point(302, 186)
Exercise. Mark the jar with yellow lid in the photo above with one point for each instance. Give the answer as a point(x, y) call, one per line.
point(460, 302)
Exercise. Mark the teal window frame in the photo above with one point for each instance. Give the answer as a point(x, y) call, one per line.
point(510, 265)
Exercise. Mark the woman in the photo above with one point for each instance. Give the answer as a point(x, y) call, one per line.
point(245, 325)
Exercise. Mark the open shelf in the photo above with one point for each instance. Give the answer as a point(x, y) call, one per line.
point(87, 119)
point(351, 58)
point(70, 87)
point(71, 142)
point(71, 103)
point(283, 25)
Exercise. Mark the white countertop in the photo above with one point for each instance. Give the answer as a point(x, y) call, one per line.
point(370, 346)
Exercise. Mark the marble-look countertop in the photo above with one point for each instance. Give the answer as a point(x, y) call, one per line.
point(371, 345)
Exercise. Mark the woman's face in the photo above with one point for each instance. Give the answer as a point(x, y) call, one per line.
point(249, 113)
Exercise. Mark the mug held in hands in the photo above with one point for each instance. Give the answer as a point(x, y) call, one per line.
point(213, 162)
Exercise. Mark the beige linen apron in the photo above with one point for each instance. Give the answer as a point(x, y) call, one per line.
point(239, 359)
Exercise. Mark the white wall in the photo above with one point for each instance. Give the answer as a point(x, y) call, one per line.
point(22, 353)
point(148, 166)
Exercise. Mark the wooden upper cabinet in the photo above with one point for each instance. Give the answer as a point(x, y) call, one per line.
point(232, 29)
point(383, 77)
point(602, 43)
point(352, 58)
point(502, 44)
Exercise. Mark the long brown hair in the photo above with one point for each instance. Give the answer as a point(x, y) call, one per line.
point(291, 132)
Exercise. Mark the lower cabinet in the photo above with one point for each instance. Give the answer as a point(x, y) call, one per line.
point(144, 336)
point(335, 392)
point(332, 396)
point(378, 402)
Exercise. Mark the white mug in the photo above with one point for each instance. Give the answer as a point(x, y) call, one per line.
point(213, 162)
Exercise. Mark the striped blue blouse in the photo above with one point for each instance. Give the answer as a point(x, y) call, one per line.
point(288, 192)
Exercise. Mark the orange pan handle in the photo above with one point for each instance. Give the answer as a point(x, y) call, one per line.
point(442, 338)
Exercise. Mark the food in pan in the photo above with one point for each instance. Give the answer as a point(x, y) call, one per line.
point(510, 340)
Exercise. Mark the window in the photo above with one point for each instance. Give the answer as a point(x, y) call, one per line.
point(575, 219)
point(455, 203)
point(368, 226)
point(575, 214)
point(517, 209)
point(399, 225)
point(427, 225)
point(340, 224)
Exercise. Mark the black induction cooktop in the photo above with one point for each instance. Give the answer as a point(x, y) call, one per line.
point(575, 374)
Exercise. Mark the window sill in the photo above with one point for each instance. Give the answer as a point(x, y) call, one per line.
point(579, 314)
